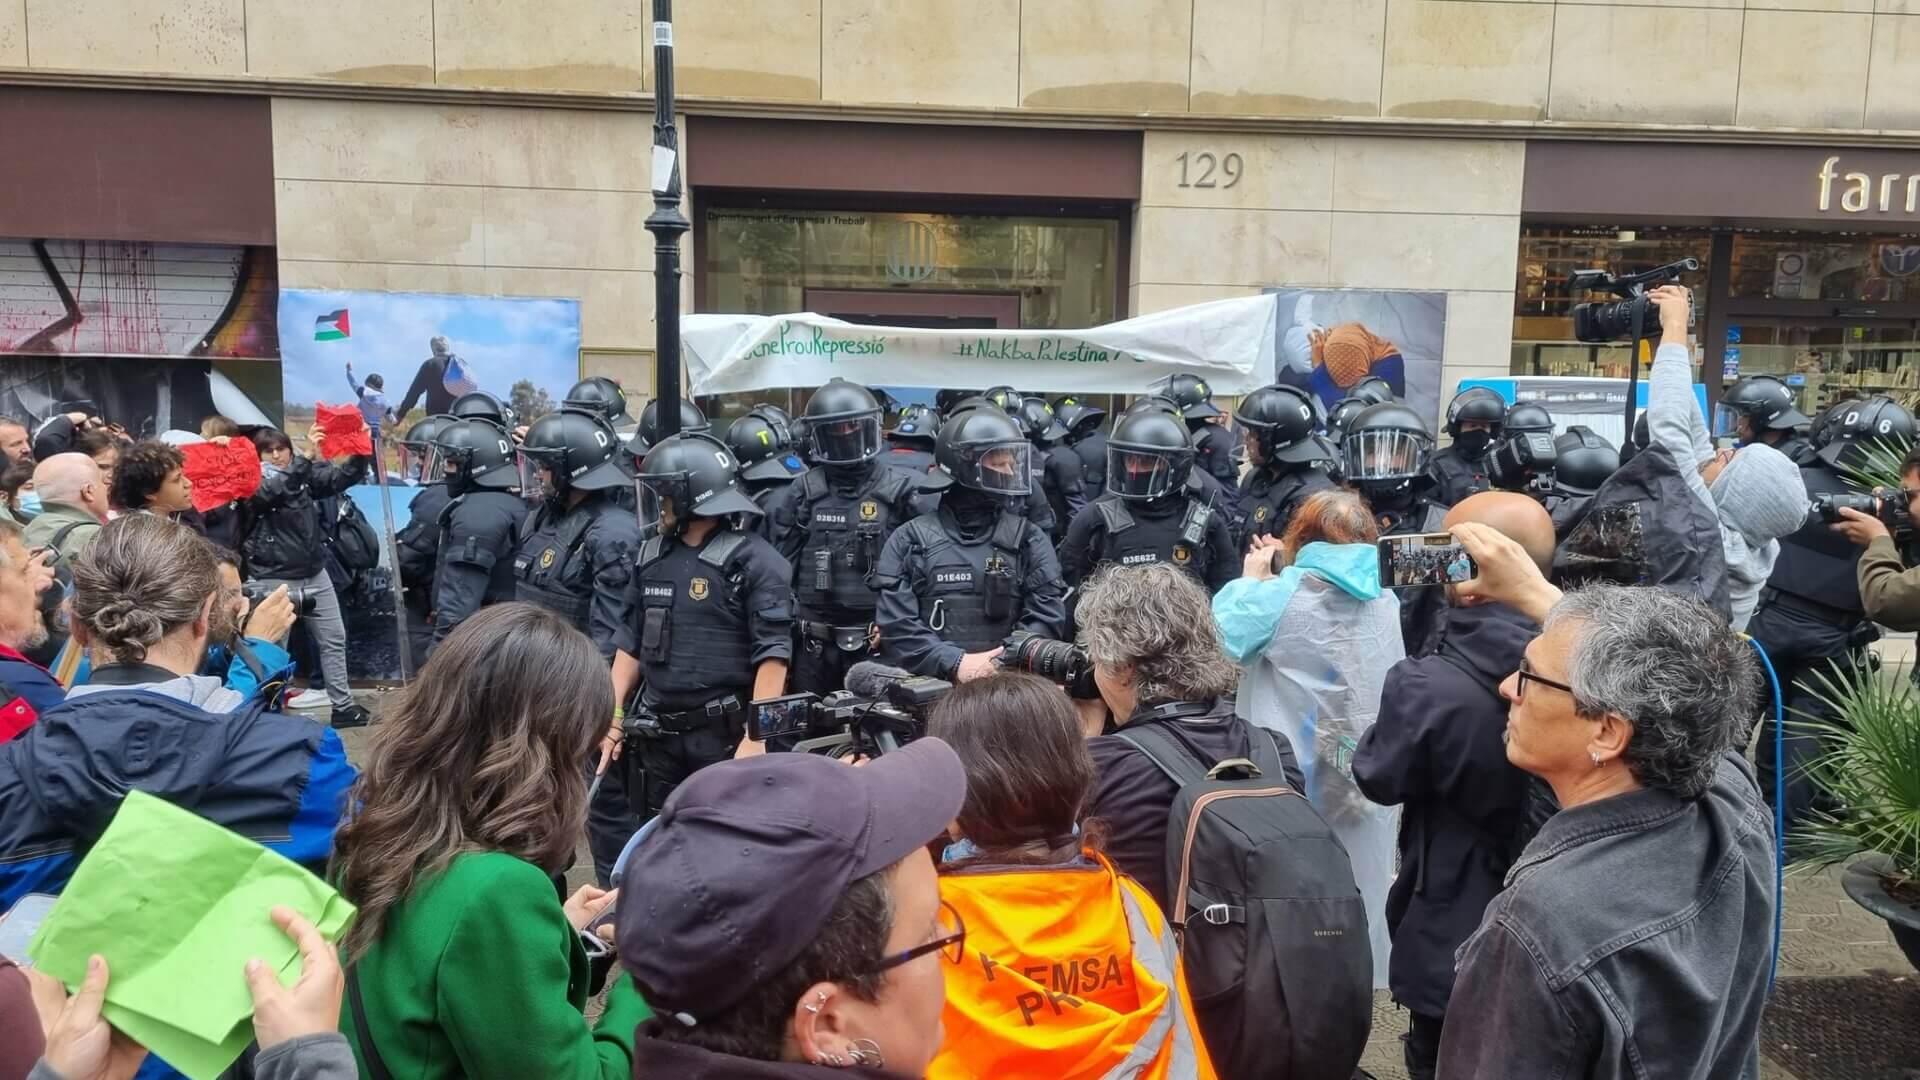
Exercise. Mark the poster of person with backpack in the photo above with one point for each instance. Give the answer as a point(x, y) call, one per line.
point(398, 359)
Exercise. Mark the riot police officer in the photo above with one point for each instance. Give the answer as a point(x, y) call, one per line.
point(1386, 451)
point(1055, 466)
point(1289, 460)
point(712, 625)
point(955, 583)
point(1760, 408)
point(1473, 416)
point(480, 405)
point(1085, 439)
point(910, 443)
point(831, 525)
point(1211, 489)
point(1516, 463)
point(418, 543)
point(647, 432)
point(576, 558)
point(1154, 509)
point(599, 394)
point(480, 526)
point(1372, 390)
point(763, 444)
point(1212, 443)
point(1583, 461)
point(1810, 613)
point(1033, 506)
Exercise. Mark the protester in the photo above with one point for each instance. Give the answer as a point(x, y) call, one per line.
point(15, 442)
point(144, 594)
point(1438, 749)
point(466, 961)
point(17, 498)
point(26, 689)
point(789, 921)
point(1034, 889)
point(1637, 925)
point(1151, 635)
point(57, 433)
point(247, 644)
point(73, 505)
point(104, 448)
point(285, 544)
point(1323, 698)
point(151, 478)
point(1755, 491)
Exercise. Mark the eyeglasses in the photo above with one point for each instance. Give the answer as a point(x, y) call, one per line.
point(951, 943)
point(1526, 676)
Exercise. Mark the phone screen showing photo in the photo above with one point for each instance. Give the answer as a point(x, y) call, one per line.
point(1408, 562)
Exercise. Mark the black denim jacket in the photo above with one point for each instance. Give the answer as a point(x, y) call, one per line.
point(1632, 940)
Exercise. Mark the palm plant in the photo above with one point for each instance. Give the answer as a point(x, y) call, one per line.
point(1870, 769)
point(1877, 466)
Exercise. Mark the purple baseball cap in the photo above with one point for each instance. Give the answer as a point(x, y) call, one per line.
point(750, 856)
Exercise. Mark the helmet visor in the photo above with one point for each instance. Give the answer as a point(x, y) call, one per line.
point(1139, 474)
point(1726, 421)
point(533, 479)
point(651, 494)
point(1003, 468)
point(846, 440)
point(1386, 454)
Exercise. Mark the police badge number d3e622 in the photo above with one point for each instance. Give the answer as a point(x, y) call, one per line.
point(697, 588)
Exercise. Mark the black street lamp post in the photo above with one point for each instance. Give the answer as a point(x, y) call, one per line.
point(667, 224)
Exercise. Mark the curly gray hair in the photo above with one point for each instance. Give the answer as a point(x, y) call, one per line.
point(1672, 667)
point(1157, 619)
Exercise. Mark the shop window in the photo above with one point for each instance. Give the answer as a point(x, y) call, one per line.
point(1543, 342)
point(1800, 266)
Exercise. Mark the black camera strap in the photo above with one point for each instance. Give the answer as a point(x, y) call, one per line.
point(130, 675)
point(376, 1065)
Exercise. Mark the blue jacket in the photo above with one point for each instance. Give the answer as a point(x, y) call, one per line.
point(278, 779)
point(27, 691)
point(250, 665)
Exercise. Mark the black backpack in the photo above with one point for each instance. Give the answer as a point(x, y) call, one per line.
point(355, 543)
point(1272, 927)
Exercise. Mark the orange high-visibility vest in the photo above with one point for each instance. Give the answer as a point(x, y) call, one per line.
point(1070, 973)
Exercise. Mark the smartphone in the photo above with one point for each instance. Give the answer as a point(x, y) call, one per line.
point(1407, 562)
point(778, 716)
point(17, 926)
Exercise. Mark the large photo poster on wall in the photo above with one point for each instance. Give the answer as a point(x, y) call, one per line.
point(401, 357)
point(1330, 339)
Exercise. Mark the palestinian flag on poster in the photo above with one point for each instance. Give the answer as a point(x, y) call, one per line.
point(332, 327)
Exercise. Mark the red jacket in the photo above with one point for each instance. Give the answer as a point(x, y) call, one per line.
point(26, 691)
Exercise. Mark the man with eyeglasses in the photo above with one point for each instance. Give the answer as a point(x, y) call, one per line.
point(1437, 748)
point(789, 921)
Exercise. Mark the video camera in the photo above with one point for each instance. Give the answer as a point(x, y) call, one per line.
point(1056, 661)
point(883, 708)
point(1523, 462)
point(1612, 320)
point(303, 601)
point(1890, 505)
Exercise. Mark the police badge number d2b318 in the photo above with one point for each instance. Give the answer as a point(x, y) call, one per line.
point(697, 588)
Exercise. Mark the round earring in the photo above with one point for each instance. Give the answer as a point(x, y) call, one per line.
point(838, 1061)
point(1596, 760)
point(866, 1052)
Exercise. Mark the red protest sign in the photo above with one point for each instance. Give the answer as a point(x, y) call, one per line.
point(221, 474)
point(345, 430)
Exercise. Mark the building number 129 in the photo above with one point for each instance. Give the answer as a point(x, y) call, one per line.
point(1199, 170)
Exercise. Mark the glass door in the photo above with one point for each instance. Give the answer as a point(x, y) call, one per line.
point(1826, 360)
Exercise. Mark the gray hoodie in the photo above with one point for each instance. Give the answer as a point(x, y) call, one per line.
point(201, 691)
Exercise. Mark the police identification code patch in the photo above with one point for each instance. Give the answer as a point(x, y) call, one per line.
point(830, 519)
point(953, 577)
point(659, 592)
point(697, 588)
point(1143, 557)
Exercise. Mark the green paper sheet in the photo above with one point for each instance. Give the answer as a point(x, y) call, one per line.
point(177, 905)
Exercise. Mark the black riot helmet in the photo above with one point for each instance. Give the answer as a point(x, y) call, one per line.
point(1153, 403)
point(1373, 390)
point(1764, 400)
point(843, 424)
point(598, 394)
point(763, 445)
point(419, 437)
point(982, 448)
point(688, 475)
point(1149, 454)
point(1863, 426)
point(1526, 417)
point(1191, 393)
point(1583, 460)
point(1821, 433)
point(1341, 415)
point(480, 405)
point(691, 419)
point(1475, 403)
point(1280, 420)
point(1042, 425)
point(1386, 442)
point(918, 425)
point(476, 454)
point(1006, 397)
point(1080, 417)
point(578, 448)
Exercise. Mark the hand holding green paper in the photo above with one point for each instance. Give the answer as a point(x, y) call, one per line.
point(178, 906)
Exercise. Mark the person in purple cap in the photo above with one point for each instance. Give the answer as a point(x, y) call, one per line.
point(783, 918)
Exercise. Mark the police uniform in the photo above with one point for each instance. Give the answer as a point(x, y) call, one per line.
point(704, 618)
point(577, 562)
point(1798, 450)
point(418, 551)
point(1213, 453)
point(1458, 475)
point(479, 533)
point(1182, 530)
point(907, 457)
point(1061, 483)
point(1092, 452)
point(1269, 497)
point(832, 534)
point(945, 592)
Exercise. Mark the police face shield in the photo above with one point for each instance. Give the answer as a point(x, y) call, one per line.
point(1138, 474)
point(1386, 455)
point(1004, 469)
point(657, 501)
point(1726, 422)
point(535, 478)
point(845, 440)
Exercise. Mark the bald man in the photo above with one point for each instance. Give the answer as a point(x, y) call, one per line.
point(73, 500)
point(1438, 748)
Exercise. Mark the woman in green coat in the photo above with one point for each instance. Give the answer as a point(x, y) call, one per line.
point(466, 962)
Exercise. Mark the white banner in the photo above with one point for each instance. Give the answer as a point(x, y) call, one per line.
point(1227, 342)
